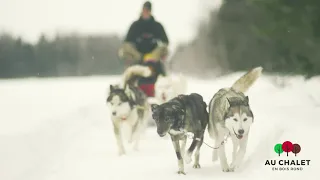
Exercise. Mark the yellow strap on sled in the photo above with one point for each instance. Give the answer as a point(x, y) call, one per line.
point(148, 57)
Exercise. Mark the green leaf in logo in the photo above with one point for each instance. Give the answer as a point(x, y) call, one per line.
point(278, 149)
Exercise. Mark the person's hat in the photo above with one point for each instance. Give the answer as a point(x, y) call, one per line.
point(147, 5)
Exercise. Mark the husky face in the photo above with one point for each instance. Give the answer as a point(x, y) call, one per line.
point(118, 102)
point(239, 117)
point(164, 118)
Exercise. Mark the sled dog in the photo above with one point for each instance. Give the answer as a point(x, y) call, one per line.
point(128, 104)
point(230, 116)
point(168, 87)
point(182, 114)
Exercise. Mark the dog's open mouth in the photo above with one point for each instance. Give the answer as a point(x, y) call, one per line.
point(239, 136)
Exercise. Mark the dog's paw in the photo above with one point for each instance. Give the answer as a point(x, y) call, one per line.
point(181, 172)
point(187, 158)
point(196, 166)
point(225, 168)
point(233, 166)
point(231, 169)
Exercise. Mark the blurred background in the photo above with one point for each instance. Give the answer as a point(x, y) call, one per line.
point(55, 38)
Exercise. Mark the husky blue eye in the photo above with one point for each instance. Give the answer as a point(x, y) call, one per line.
point(235, 119)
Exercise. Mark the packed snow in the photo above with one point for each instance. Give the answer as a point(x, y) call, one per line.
point(60, 129)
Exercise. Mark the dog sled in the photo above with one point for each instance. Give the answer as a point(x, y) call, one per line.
point(147, 84)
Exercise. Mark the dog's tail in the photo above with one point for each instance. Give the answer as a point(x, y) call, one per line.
point(247, 80)
point(133, 73)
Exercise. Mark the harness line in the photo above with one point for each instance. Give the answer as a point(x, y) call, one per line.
point(190, 136)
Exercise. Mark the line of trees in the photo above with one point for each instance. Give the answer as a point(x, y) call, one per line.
point(72, 55)
point(280, 35)
point(283, 36)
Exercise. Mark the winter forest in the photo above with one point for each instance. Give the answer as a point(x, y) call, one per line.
point(282, 36)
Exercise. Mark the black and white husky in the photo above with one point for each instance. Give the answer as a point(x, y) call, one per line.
point(230, 115)
point(128, 105)
point(185, 113)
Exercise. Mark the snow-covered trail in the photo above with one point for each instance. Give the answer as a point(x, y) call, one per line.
point(59, 129)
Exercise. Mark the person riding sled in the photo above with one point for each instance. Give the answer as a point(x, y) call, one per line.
point(146, 43)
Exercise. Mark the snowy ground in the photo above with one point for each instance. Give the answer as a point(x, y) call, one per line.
point(59, 129)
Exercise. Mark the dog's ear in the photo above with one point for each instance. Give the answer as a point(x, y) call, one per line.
point(246, 100)
point(154, 107)
point(232, 102)
point(229, 101)
point(252, 116)
point(111, 88)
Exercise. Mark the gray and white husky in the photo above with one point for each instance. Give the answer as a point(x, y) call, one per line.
point(230, 115)
point(128, 105)
point(182, 114)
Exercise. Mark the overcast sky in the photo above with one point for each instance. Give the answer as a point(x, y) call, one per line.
point(28, 18)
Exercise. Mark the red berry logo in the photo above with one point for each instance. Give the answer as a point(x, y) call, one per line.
point(287, 147)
